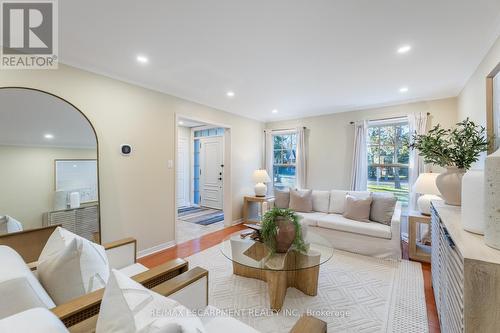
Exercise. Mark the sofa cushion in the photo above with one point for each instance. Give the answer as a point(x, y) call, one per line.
point(37, 320)
point(301, 200)
point(310, 219)
point(127, 306)
point(281, 198)
point(337, 199)
point(19, 288)
point(320, 201)
point(382, 208)
point(80, 268)
point(217, 321)
point(340, 223)
point(357, 209)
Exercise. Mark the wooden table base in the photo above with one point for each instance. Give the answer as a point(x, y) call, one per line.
point(305, 280)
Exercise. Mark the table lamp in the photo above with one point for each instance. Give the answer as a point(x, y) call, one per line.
point(426, 186)
point(260, 177)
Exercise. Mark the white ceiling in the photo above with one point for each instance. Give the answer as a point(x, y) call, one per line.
point(26, 116)
point(301, 57)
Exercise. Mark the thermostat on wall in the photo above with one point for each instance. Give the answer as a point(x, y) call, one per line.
point(126, 150)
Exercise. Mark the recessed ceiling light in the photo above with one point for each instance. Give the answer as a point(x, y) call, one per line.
point(181, 122)
point(142, 59)
point(230, 94)
point(404, 49)
point(274, 111)
point(403, 89)
point(48, 136)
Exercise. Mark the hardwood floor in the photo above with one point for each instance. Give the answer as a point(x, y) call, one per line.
point(186, 249)
point(193, 246)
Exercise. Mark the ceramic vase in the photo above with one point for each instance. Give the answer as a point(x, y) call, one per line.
point(473, 219)
point(492, 200)
point(285, 234)
point(449, 184)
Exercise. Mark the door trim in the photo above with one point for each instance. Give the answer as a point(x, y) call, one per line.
point(227, 190)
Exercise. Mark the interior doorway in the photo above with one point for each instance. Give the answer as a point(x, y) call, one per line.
point(202, 152)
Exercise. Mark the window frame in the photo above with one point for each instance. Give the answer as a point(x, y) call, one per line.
point(293, 148)
point(398, 141)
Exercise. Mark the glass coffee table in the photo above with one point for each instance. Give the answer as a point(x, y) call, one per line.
point(252, 259)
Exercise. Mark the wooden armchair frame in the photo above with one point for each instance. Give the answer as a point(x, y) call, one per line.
point(29, 244)
point(80, 315)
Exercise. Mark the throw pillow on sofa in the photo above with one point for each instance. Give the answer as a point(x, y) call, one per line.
point(320, 201)
point(281, 198)
point(301, 200)
point(128, 307)
point(357, 209)
point(80, 268)
point(382, 208)
point(337, 199)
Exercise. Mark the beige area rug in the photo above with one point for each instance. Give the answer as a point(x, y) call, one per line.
point(356, 294)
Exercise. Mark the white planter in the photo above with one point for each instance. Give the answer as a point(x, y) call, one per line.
point(473, 217)
point(449, 184)
point(492, 200)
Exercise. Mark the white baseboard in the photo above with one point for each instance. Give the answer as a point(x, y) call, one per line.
point(156, 248)
point(238, 221)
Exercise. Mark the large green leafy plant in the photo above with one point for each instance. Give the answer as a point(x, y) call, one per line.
point(269, 228)
point(458, 147)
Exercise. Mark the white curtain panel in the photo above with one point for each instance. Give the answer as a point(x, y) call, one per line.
point(301, 159)
point(417, 124)
point(268, 158)
point(359, 177)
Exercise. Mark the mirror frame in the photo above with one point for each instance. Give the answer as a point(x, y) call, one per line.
point(96, 139)
point(490, 131)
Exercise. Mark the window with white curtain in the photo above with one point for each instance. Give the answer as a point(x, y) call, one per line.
point(388, 157)
point(284, 159)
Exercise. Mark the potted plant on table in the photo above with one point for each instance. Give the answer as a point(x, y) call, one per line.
point(454, 149)
point(281, 230)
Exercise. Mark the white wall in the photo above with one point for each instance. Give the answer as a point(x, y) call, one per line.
point(330, 138)
point(472, 99)
point(137, 192)
point(27, 180)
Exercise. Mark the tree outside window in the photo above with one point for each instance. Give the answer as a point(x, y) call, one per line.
point(284, 150)
point(388, 158)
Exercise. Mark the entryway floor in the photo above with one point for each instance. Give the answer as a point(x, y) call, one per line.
point(186, 230)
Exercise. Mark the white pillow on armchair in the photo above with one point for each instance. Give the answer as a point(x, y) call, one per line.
point(78, 269)
point(128, 307)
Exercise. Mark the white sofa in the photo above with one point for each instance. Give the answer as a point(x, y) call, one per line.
point(367, 238)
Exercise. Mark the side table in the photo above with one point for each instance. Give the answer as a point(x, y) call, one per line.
point(417, 250)
point(255, 207)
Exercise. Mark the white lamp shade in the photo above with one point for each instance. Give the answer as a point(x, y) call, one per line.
point(261, 176)
point(426, 184)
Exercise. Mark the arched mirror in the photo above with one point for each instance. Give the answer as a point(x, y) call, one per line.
point(48, 165)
